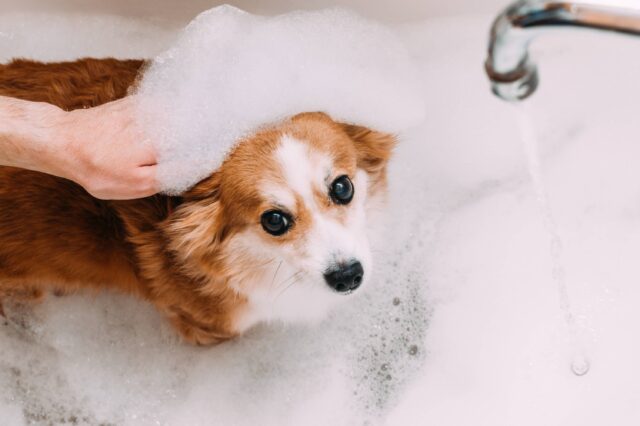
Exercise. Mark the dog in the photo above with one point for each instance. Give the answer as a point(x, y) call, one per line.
point(278, 232)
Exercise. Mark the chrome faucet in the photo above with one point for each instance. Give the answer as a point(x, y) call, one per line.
point(512, 73)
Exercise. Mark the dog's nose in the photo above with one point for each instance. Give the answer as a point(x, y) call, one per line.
point(345, 277)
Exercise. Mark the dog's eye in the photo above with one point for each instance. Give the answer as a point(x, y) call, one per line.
point(275, 222)
point(342, 190)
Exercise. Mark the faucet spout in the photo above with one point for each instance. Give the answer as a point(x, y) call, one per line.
point(512, 73)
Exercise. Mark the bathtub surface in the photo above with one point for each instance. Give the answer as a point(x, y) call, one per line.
point(462, 325)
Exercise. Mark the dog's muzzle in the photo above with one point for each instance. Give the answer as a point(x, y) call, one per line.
point(346, 277)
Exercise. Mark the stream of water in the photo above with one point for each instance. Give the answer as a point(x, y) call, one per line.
point(580, 362)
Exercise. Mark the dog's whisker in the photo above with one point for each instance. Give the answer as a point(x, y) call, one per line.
point(288, 282)
point(262, 265)
point(289, 286)
point(273, 280)
point(285, 281)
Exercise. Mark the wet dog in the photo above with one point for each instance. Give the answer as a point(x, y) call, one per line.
point(279, 231)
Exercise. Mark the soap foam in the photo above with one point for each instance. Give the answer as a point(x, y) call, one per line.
point(113, 359)
point(465, 233)
point(230, 73)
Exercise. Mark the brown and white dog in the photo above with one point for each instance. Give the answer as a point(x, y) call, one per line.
point(279, 231)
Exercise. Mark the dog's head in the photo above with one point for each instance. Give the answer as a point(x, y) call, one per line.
point(284, 219)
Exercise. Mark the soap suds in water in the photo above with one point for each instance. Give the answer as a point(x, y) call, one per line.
point(113, 359)
point(464, 231)
point(231, 73)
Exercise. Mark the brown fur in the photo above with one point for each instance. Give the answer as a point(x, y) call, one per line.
point(168, 250)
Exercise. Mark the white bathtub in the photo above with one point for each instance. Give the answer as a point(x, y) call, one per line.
point(479, 338)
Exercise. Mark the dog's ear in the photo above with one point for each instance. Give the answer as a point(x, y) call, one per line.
point(206, 194)
point(197, 227)
point(374, 148)
point(313, 115)
point(207, 188)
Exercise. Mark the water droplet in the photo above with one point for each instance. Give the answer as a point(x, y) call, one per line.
point(396, 301)
point(384, 367)
point(580, 366)
point(388, 377)
point(413, 350)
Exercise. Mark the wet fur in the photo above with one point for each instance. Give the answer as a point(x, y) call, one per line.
point(168, 250)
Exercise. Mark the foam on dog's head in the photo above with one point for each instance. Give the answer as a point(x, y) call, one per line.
point(231, 72)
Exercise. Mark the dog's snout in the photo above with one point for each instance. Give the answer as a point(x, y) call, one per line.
point(345, 277)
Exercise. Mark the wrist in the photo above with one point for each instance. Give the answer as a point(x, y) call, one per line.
point(27, 134)
point(55, 141)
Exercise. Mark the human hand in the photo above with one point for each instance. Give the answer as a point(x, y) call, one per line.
point(100, 148)
point(105, 151)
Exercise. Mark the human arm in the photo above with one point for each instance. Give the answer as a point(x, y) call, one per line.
point(100, 148)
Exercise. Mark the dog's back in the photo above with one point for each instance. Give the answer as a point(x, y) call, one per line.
point(69, 85)
point(51, 230)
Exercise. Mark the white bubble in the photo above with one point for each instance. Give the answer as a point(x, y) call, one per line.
point(231, 72)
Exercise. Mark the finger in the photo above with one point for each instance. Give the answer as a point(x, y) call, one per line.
point(145, 155)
